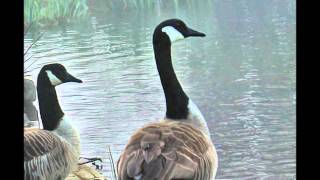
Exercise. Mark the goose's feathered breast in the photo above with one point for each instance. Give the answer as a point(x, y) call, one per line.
point(196, 118)
point(46, 155)
point(175, 150)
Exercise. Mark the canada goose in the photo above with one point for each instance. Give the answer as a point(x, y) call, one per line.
point(179, 146)
point(51, 153)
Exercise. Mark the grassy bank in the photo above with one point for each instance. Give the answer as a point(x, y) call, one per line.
point(46, 12)
point(146, 4)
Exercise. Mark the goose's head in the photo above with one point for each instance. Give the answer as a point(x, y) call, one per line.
point(172, 30)
point(55, 74)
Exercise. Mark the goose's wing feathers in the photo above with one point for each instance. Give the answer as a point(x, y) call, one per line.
point(39, 142)
point(186, 153)
point(46, 155)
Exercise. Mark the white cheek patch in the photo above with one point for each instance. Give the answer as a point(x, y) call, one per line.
point(53, 79)
point(173, 34)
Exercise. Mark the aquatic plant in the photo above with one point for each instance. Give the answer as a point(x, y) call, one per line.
point(44, 12)
point(146, 4)
point(47, 12)
point(111, 163)
point(26, 30)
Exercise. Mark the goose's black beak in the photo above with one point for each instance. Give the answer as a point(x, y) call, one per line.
point(71, 78)
point(191, 32)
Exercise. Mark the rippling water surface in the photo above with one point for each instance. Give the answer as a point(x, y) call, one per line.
point(241, 76)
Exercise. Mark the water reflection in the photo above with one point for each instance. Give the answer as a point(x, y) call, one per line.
point(241, 75)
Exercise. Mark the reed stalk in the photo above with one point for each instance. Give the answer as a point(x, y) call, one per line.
point(111, 161)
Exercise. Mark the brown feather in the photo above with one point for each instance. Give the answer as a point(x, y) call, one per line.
point(168, 150)
point(46, 155)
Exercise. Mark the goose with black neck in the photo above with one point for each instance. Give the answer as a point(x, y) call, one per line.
point(179, 106)
point(179, 145)
point(52, 152)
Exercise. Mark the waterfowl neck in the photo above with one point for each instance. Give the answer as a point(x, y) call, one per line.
point(50, 110)
point(176, 98)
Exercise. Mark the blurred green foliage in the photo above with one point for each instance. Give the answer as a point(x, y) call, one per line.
point(44, 12)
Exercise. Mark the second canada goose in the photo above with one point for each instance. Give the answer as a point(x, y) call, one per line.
point(179, 146)
point(51, 153)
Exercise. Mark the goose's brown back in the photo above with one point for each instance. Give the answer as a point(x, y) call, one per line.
point(46, 156)
point(183, 152)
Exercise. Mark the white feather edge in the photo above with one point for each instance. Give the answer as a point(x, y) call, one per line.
point(174, 35)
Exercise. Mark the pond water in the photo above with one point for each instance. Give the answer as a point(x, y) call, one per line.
point(241, 76)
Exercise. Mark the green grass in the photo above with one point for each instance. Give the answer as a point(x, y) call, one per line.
point(147, 4)
point(47, 12)
point(44, 12)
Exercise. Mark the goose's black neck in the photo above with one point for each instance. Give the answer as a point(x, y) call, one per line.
point(176, 98)
point(50, 110)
